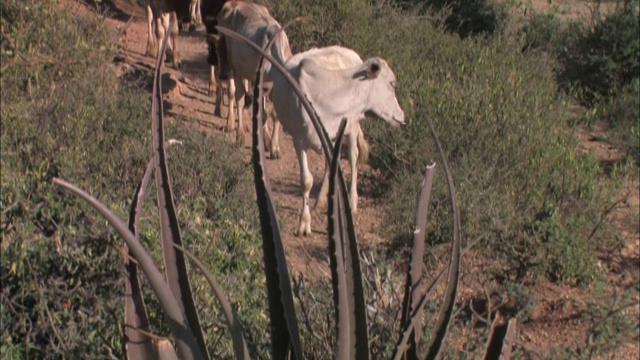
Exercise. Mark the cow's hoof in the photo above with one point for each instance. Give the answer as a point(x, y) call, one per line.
point(275, 154)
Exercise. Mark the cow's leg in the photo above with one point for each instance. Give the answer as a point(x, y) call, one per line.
point(240, 94)
point(194, 12)
point(231, 116)
point(198, 20)
point(212, 79)
point(151, 40)
point(174, 39)
point(215, 85)
point(159, 27)
point(306, 180)
point(244, 125)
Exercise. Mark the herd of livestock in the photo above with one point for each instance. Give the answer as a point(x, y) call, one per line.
point(338, 83)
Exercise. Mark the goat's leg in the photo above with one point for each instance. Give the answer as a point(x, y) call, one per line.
point(274, 138)
point(151, 40)
point(323, 196)
point(174, 39)
point(306, 180)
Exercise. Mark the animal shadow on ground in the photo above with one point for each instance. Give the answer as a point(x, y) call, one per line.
point(195, 67)
point(143, 78)
point(109, 9)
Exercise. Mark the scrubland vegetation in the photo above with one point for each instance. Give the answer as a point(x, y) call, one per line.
point(505, 100)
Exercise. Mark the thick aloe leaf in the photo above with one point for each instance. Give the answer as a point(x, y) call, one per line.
point(239, 343)
point(285, 337)
point(166, 351)
point(137, 344)
point(354, 274)
point(414, 274)
point(175, 266)
point(178, 323)
point(446, 310)
point(501, 339)
point(335, 229)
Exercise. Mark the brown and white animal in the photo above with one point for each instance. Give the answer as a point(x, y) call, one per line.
point(339, 85)
point(195, 16)
point(159, 12)
point(209, 10)
point(240, 61)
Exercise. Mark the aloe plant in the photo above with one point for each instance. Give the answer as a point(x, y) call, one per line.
point(174, 291)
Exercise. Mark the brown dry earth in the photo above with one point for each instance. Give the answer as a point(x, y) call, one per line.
point(554, 321)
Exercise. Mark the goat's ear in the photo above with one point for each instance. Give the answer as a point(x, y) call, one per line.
point(374, 66)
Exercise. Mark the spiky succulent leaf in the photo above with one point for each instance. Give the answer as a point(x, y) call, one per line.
point(178, 323)
point(175, 266)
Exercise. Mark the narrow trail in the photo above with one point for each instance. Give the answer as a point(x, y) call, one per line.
point(186, 100)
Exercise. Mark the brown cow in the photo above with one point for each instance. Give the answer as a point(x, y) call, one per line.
point(209, 10)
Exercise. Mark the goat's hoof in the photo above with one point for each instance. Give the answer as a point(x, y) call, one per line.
point(275, 154)
point(321, 205)
point(303, 230)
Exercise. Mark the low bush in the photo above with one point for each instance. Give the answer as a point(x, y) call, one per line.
point(65, 113)
point(601, 58)
point(501, 120)
point(597, 62)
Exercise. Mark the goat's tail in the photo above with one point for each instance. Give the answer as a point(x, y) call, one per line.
point(363, 147)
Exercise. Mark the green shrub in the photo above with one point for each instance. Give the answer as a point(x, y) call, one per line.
point(598, 63)
point(472, 17)
point(65, 113)
point(602, 58)
point(500, 119)
point(543, 31)
point(622, 114)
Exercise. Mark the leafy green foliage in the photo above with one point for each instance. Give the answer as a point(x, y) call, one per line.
point(64, 113)
point(498, 114)
point(543, 31)
point(603, 57)
point(598, 63)
point(60, 299)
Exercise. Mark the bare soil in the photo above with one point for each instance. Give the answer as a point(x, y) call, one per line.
point(554, 320)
